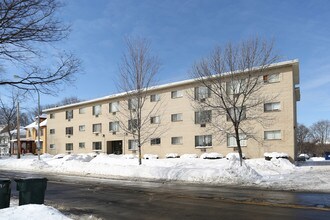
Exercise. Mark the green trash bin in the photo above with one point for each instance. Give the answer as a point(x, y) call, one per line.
point(4, 193)
point(31, 190)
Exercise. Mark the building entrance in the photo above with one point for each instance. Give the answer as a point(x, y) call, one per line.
point(115, 147)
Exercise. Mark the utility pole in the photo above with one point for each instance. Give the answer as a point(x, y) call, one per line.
point(18, 134)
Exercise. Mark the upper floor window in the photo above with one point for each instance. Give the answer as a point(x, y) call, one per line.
point(231, 140)
point(132, 144)
point(97, 110)
point(51, 131)
point(97, 128)
point(154, 141)
point(237, 114)
point(81, 127)
point(132, 124)
point(271, 78)
point(203, 117)
point(97, 146)
point(133, 103)
point(176, 117)
point(114, 126)
point(202, 92)
point(176, 94)
point(203, 140)
point(155, 120)
point(51, 115)
point(154, 98)
point(176, 140)
point(69, 114)
point(69, 130)
point(114, 107)
point(81, 144)
point(69, 146)
point(235, 87)
point(272, 135)
point(52, 146)
point(273, 106)
point(82, 110)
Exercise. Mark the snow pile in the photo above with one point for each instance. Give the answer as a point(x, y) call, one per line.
point(185, 156)
point(32, 212)
point(276, 155)
point(150, 156)
point(230, 155)
point(316, 159)
point(211, 156)
point(172, 155)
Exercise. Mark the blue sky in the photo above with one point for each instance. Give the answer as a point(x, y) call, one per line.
point(183, 31)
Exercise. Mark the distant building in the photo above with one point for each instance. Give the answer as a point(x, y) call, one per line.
point(92, 126)
point(30, 140)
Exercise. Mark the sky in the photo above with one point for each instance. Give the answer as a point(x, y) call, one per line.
point(183, 31)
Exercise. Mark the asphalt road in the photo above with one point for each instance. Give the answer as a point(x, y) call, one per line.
point(120, 199)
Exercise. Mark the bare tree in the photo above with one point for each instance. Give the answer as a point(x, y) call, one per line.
point(303, 136)
point(321, 133)
point(231, 81)
point(8, 114)
point(27, 28)
point(138, 70)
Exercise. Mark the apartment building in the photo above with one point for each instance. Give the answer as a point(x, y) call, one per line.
point(94, 125)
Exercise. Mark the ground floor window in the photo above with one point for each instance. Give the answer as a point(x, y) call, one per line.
point(132, 144)
point(69, 146)
point(154, 141)
point(176, 140)
point(203, 140)
point(82, 145)
point(273, 135)
point(97, 145)
point(231, 140)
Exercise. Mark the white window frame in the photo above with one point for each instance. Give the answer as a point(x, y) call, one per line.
point(202, 92)
point(176, 94)
point(69, 114)
point(272, 106)
point(155, 120)
point(82, 110)
point(205, 139)
point(203, 117)
point(177, 140)
point(97, 128)
point(82, 127)
point(52, 131)
point(66, 147)
point(97, 110)
point(272, 78)
point(114, 107)
point(176, 117)
point(133, 103)
point(114, 126)
point(97, 144)
point(154, 98)
point(133, 145)
point(273, 135)
point(82, 145)
point(231, 140)
point(155, 141)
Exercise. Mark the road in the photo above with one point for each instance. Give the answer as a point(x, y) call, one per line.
point(120, 199)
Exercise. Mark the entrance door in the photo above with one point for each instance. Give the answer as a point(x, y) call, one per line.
point(115, 147)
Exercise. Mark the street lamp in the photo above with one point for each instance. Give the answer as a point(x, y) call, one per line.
point(38, 131)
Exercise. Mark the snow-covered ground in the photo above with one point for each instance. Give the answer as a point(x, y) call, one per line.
point(273, 174)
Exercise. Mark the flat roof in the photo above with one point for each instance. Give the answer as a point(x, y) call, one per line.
point(168, 85)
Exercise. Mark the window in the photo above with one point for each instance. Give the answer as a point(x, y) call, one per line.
point(176, 140)
point(272, 135)
point(69, 114)
point(202, 92)
point(52, 116)
point(176, 94)
point(69, 146)
point(133, 103)
point(81, 144)
point(270, 107)
point(69, 130)
point(235, 87)
point(271, 78)
point(176, 117)
point(97, 110)
point(155, 141)
point(82, 110)
point(81, 127)
point(97, 146)
point(155, 120)
point(132, 124)
point(132, 144)
point(51, 131)
point(114, 126)
point(203, 140)
point(231, 140)
point(154, 98)
point(203, 117)
point(52, 146)
point(114, 107)
point(97, 128)
point(237, 114)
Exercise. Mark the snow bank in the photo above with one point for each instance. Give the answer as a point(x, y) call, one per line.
point(32, 212)
point(211, 156)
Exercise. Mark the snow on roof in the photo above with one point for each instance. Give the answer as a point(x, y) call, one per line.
point(168, 85)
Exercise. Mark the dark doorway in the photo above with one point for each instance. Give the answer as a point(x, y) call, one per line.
point(115, 147)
